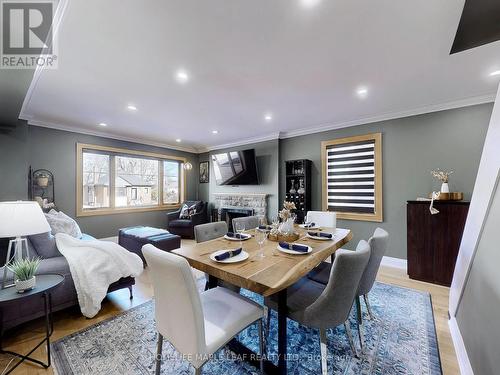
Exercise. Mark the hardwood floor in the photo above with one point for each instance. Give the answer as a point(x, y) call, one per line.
point(69, 321)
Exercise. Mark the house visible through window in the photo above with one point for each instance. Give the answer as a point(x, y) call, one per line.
point(112, 180)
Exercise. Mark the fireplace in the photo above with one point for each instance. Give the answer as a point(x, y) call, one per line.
point(228, 214)
point(228, 206)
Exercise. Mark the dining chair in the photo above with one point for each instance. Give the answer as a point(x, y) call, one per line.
point(322, 218)
point(378, 245)
point(208, 232)
point(326, 306)
point(251, 222)
point(325, 219)
point(196, 324)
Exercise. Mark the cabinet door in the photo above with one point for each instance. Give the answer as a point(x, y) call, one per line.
point(448, 227)
point(420, 255)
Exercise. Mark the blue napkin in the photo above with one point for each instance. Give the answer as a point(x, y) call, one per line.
point(228, 254)
point(235, 235)
point(310, 225)
point(294, 247)
point(265, 227)
point(320, 234)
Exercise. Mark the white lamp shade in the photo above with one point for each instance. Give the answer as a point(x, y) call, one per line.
point(22, 218)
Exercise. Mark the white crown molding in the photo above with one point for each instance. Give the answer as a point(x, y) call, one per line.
point(461, 351)
point(394, 263)
point(58, 17)
point(96, 133)
point(246, 141)
point(488, 98)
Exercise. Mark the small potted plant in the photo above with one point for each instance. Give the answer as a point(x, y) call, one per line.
point(24, 273)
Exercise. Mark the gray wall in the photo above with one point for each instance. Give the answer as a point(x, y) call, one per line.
point(412, 147)
point(267, 155)
point(55, 150)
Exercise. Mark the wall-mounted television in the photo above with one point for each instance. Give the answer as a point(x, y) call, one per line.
point(235, 168)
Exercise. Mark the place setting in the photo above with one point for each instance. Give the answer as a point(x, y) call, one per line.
point(231, 236)
point(320, 236)
point(294, 248)
point(229, 256)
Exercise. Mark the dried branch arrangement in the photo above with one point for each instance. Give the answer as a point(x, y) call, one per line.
point(442, 176)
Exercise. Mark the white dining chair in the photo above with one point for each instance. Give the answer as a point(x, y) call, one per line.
point(322, 218)
point(196, 324)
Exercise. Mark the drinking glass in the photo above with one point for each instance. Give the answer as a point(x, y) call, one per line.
point(260, 236)
point(240, 228)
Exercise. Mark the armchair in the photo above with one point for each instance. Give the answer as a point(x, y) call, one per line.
point(185, 227)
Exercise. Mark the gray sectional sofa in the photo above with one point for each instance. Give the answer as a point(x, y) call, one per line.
point(44, 246)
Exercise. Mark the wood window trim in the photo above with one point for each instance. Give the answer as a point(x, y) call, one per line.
point(80, 212)
point(378, 215)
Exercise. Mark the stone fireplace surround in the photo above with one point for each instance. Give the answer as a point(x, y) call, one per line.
point(255, 201)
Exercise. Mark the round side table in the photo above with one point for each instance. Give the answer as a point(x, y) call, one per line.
point(45, 284)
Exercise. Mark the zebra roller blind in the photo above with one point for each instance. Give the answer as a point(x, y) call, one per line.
point(352, 177)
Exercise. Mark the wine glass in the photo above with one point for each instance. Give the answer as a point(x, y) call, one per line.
point(260, 236)
point(240, 228)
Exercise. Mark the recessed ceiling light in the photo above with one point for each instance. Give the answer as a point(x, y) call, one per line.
point(215, 132)
point(131, 107)
point(178, 140)
point(103, 124)
point(268, 117)
point(495, 73)
point(182, 76)
point(362, 92)
point(309, 3)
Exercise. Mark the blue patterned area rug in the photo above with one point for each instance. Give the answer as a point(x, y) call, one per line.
point(401, 341)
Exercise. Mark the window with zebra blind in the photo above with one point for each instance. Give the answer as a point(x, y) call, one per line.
point(352, 177)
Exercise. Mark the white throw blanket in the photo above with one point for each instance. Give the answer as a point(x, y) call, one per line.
point(94, 265)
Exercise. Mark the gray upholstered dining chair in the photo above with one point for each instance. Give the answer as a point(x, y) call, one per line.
point(211, 231)
point(251, 222)
point(326, 306)
point(196, 324)
point(378, 246)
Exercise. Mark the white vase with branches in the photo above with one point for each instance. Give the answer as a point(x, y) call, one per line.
point(442, 176)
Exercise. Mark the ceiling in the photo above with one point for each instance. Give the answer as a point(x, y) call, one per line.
point(248, 58)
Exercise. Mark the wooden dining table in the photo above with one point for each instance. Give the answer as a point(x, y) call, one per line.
point(266, 276)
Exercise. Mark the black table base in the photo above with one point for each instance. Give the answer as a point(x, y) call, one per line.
point(49, 329)
point(250, 356)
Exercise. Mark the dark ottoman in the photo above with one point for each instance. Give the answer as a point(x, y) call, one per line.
point(133, 238)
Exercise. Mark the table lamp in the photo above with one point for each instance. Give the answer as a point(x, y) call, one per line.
point(20, 219)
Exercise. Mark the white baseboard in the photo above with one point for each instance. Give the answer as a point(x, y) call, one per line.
point(394, 263)
point(461, 352)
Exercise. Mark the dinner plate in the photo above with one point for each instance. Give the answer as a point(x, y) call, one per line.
point(246, 237)
point(320, 238)
point(238, 258)
point(303, 226)
point(293, 252)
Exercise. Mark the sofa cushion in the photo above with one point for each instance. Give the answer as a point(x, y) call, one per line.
point(45, 245)
point(180, 223)
point(58, 265)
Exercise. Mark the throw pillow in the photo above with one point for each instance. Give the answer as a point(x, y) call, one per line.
point(61, 223)
point(45, 245)
point(187, 211)
point(184, 212)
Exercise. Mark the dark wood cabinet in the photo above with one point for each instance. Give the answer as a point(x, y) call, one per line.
point(433, 241)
